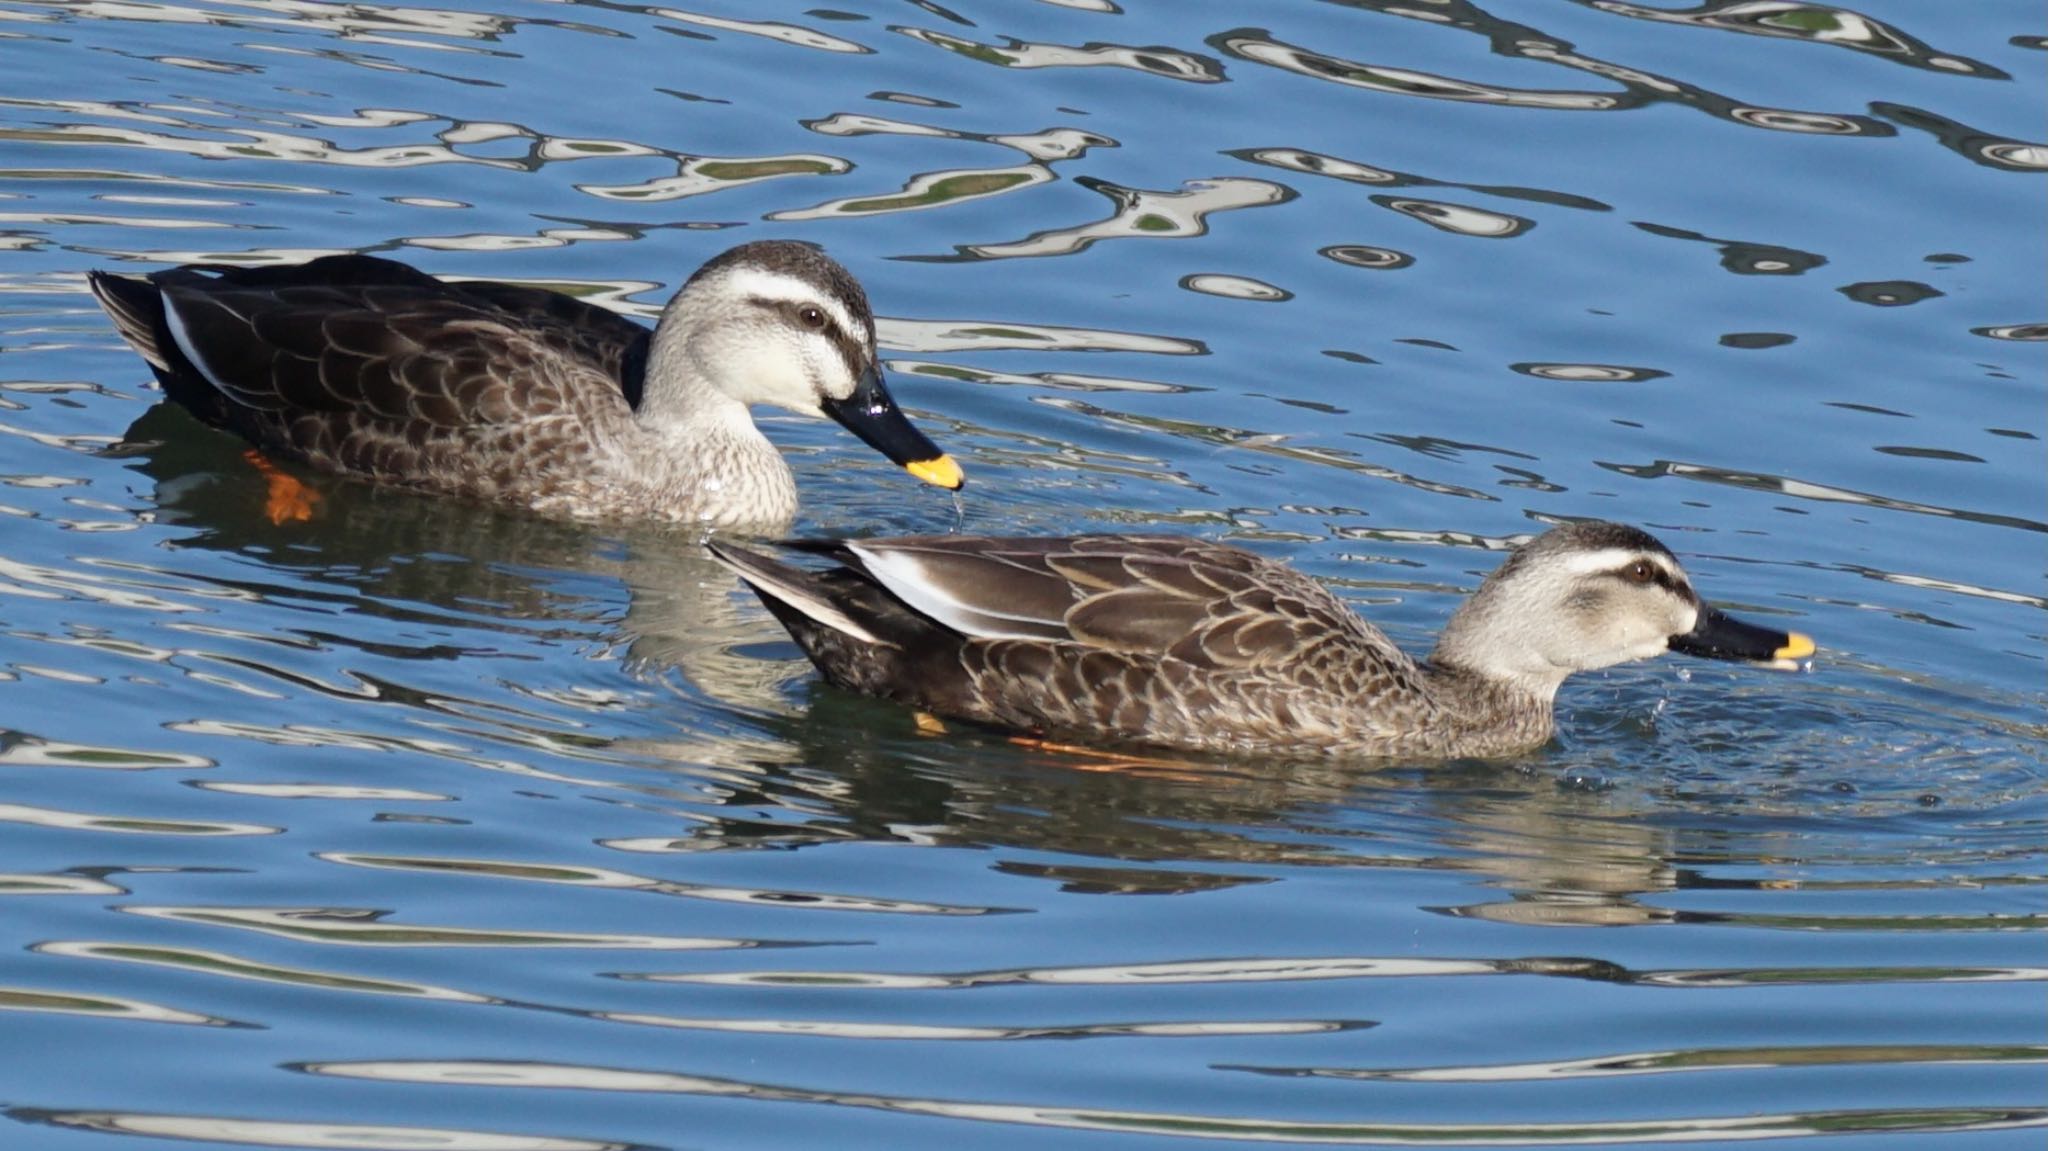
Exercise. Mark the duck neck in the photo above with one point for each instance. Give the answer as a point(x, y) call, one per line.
point(680, 385)
point(1481, 714)
point(1500, 636)
point(717, 459)
point(1492, 676)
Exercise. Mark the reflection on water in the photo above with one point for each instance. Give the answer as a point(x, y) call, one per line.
point(1889, 1121)
point(262, 1133)
point(424, 823)
point(1140, 213)
point(1639, 88)
point(1808, 490)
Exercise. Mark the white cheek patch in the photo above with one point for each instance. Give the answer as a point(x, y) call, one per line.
point(770, 372)
point(780, 361)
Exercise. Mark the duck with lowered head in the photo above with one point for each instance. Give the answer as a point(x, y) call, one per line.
point(517, 395)
point(1177, 642)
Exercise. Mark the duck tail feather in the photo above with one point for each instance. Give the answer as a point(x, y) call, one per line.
point(137, 308)
point(785, 590)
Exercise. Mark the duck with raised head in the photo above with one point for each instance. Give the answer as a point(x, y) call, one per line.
point(518, 395)
point(1177, 642)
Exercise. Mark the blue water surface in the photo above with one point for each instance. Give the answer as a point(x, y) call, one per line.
point(420, 823)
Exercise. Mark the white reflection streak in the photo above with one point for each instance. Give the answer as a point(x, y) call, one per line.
point(32, 751)
point(790, 34)
point(1671, 1062)
point(348, 20)
point(1401, 81)
point(1235, 287)
point(69, 443)
point(31, 883)
point(1151, 974)
point(1678, 1129)
point(1147, 214)
point(1069, 381)
point(702, 174)
point(1005, 335)
point(124, 824)
point(1154, 61)
point(606, 877)
point(325, 1136)
point(1933, 584)
point(842, 1029)
point(941, 189)
point(98, 1006)
point(308, 735)
point(322, 791)
point(1460, 219)
point(220, 963)
point(252, 144)
point(92, 219)
point(335, 926)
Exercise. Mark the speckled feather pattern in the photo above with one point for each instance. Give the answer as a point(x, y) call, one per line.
point(1151, 639)
point(499, 392)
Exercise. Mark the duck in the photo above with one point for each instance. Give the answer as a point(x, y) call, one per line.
point(1180, 643)
point(367, 367)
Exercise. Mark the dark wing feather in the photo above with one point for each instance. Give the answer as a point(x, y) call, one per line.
point(1209, 604)
point(389, 353)
point(1149, 638)
point(579, 330)
point(371, 338)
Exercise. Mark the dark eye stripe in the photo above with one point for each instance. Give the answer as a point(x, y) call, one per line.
point(1659, 575)
point(850, 349)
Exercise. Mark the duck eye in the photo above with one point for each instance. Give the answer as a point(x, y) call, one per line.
point(1641, 572)
point(812, 315)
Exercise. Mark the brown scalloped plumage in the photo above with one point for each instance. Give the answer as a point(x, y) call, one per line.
point(1174, 641)
point(366, 367)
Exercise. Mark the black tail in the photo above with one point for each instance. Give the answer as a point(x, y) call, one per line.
point(137, 308)
point(853, 630)
point(806, 601)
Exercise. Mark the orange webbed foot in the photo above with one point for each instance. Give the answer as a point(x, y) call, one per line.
point(287, 500)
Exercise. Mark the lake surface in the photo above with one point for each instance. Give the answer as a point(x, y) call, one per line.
point(419, 824)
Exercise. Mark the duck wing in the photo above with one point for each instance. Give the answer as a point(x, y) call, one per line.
point(370, 339)
point(1154, 639)
point(1209, 605)
point(576, 328)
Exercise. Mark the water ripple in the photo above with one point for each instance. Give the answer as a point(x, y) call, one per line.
point(626, 881)
point(1138, 213)
point(1639, 88)
point(1834, 27)
point(32, 816)
point(1166, 63)
point(582, 1077)
point(201, 1128)
point(113, 1007)
point(222, 964)
point(794, 35)
point(1668, 1062)
point(454, 736)
point(1809, 490)
point(364, 927)
point(1294, 970)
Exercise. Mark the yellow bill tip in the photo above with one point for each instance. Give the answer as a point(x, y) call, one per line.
point(943, 472)
point(1797, 646)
